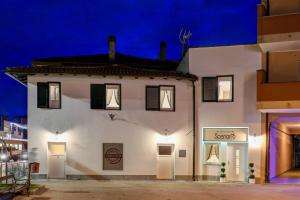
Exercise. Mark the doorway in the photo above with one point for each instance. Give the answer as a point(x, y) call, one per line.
point(236, 162)
point(165, 161)
point(56, 159)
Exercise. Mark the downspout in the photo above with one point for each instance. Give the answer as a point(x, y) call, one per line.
point(194, 132)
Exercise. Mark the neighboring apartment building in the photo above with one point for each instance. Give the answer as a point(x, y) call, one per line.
point(278, 86)
point(14, 134)
point(109, 116)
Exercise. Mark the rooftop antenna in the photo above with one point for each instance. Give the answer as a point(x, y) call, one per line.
point(184, 37)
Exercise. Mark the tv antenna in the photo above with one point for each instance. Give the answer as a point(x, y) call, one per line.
point(184, 37)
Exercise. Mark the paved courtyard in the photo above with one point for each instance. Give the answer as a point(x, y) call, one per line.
point(165, 190)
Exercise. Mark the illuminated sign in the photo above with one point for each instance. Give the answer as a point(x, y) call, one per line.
point(225, 134)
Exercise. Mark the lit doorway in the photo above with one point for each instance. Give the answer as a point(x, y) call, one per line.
point(56, 160)
point(165, 161)
point(236, 162)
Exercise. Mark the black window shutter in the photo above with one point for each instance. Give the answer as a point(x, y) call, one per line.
point(42, 95)
point(152, 98)
point(209, 88)
point(97, 96)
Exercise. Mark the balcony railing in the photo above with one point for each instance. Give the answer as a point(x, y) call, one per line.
point(277, 95)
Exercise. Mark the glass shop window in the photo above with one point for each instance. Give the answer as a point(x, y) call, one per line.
point(212, 153)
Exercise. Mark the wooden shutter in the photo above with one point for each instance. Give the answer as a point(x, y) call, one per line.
point(97, 96)
point(209, 89)
point(42, 95)
point(152, 98)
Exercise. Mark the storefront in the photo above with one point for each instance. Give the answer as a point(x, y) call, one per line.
point(225, 145)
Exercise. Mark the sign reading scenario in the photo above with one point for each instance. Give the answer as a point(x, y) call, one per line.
point(112, 156)
point(225, 134)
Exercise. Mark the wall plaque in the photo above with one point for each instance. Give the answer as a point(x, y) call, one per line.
point(225, 134)
point(112, 156)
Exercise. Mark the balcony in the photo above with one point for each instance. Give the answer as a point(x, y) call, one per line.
point(278, 32)
point(277, 97)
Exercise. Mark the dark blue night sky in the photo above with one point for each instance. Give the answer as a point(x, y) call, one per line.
point(41, 28)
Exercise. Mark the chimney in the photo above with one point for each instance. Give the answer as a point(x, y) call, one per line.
point(162, 53)
point(112, 47)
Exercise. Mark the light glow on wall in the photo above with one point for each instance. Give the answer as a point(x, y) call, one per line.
point(166, 139)
point(255, 141)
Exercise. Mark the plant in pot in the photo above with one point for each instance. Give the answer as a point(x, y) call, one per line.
point(222, 174)
point(251, 173)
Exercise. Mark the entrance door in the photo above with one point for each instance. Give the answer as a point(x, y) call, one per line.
point(56, 160)
point(236, 162)
point(165, 162)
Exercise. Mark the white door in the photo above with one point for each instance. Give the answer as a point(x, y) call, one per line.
point(236, 162)
point(165, 162)
point(56, 160)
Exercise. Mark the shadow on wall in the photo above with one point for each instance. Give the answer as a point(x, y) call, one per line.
point(85, 170)
point(250, 112)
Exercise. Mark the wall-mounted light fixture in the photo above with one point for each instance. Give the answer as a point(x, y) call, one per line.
point(112, 116)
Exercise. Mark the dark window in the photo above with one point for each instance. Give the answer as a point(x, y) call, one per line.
point(217, 89)
point(160, 98)
point(42, 95)
point(164, 150)
point(97, 96)
point(152, 98)
point(106, 96)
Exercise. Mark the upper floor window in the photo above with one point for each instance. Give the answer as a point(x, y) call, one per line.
point(49, 95)
point(160, 98)
point(217, 89)
point(106, 96)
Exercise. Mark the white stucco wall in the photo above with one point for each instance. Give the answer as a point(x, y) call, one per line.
point(241, 61)
point(84, 130)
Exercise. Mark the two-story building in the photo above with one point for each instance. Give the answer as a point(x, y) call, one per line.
point(109, 116)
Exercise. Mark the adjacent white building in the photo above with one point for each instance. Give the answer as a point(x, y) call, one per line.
point(228, 123)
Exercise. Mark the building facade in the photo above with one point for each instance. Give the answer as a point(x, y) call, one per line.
point(109, 116)
point(113, 116)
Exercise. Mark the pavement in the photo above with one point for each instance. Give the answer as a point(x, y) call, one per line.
point(161, 190)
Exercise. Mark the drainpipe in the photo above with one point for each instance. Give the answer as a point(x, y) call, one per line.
point(194, 133)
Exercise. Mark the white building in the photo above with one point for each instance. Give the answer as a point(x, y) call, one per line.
point(109, 116)
point(228, 124)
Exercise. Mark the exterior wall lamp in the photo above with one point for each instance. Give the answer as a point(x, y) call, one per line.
point(112, 116)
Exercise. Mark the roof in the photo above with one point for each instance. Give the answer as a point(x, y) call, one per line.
point(122, 65)
point(101, 59)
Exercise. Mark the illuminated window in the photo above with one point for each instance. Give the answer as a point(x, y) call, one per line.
point(112, 96)
point(225, 88)
point(237, 162)
point(212, 153)
point(166, 98)
point(217, 89)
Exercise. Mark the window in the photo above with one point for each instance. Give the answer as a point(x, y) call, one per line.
point(164, 150)
point(212, 153)
point(106, 96)
point(217, 89)
point(49, 95)
point(160, 98)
